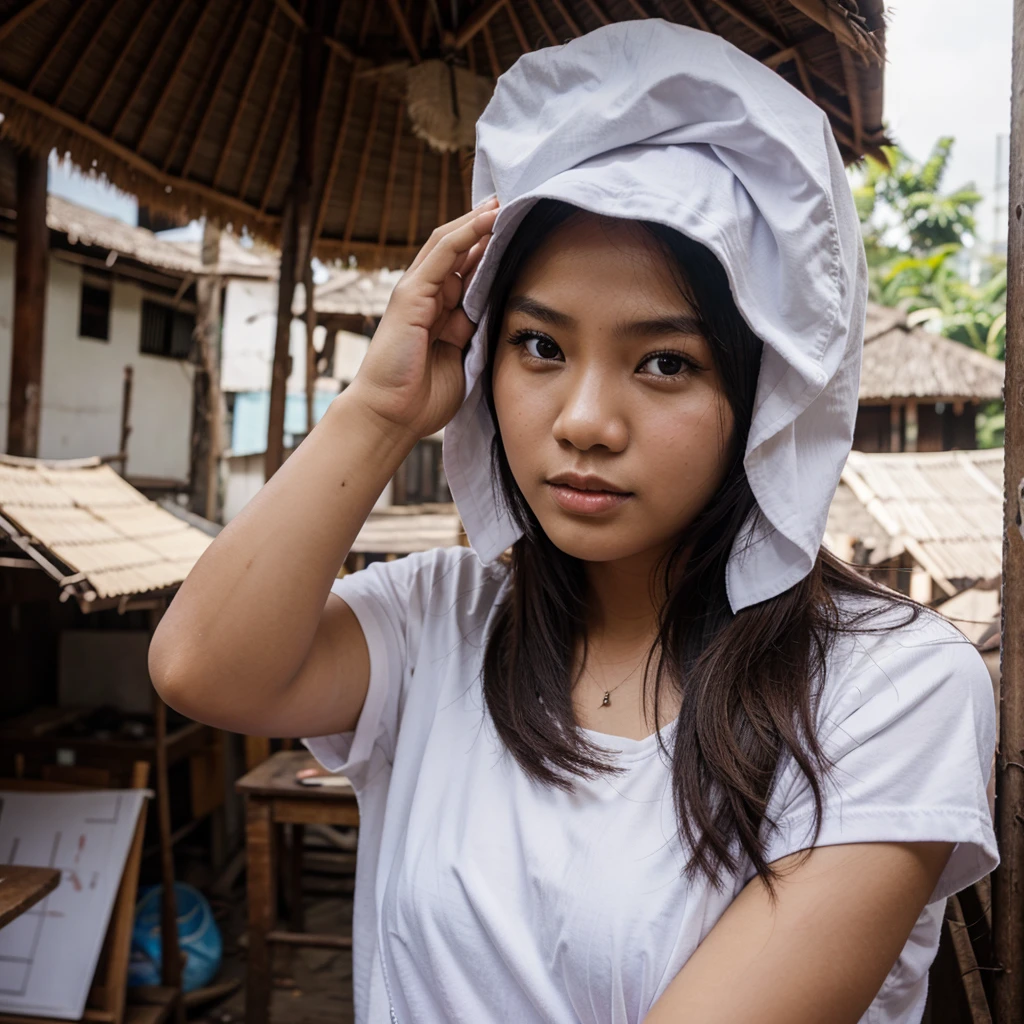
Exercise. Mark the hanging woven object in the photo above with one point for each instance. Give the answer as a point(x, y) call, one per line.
point(444, 103)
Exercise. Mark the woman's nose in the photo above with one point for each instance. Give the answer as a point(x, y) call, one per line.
point(591, 415)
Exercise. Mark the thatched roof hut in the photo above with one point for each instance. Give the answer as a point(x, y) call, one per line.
point(909, 362)
point(193, 105)
point(920, 391)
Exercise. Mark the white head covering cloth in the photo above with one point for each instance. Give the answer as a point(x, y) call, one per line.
point(647, 120)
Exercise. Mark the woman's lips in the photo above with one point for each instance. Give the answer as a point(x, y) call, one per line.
point(588, 503)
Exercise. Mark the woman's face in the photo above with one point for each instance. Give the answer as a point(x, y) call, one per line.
point(611, 411)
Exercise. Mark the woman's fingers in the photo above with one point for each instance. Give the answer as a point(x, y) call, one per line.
point(446, 254)
point(444, 230)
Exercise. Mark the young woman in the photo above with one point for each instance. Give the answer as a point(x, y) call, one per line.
point(669, 760)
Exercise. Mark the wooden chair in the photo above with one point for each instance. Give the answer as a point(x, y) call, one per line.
point(274, 798)
point(107, 1000)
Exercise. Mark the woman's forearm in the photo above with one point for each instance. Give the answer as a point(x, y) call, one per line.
point(242, 623)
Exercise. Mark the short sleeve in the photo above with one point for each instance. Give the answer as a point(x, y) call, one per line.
point(387, 599)
point(910, 726)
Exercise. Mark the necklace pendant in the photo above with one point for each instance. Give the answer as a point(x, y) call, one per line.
point(607, 699)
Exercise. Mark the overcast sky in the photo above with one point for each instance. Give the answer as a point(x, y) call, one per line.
point(948, 74)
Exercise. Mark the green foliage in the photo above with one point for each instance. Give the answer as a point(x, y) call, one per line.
point(915, 237)
point(902, 208)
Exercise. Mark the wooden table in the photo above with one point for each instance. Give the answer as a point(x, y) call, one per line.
point(22, 887)
point(274, 797)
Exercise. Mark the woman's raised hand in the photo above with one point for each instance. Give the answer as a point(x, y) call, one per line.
point(412, 377)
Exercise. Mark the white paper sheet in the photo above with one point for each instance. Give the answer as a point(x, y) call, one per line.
point(48, 955)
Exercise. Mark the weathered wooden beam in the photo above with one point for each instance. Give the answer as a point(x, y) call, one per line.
point(638, 7)
point(172, 78)
point(477, 20)
point(268, 113)
point(403, 30)
point(291, 14)
point(698, 15)
point(69, 79)
point(274, 455)
point(339, 146)
point(254, 70)
point(364, 164)
point(31, 255)
point(442, 190)
point(1008, 878)
point(140, 81)
point(389, 187)
point(228, 31)
point(574, 27)
point(417, 193)
point(282, 152)
point(517, 27)
point(208, 331)
point(543, 22)
point(125, 154)
point(595, 9)
point(243, 24)
point(18, 17)
point(492, 53)
point(122, 52)
point(852, 96)
point(170, 962)
point(67, 32)
point(974, 990)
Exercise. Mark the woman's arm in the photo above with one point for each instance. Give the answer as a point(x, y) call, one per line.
point(822, 953)
point(253, 642)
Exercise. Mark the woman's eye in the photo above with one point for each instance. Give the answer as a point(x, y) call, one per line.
point(541, 348)
point(665, 364)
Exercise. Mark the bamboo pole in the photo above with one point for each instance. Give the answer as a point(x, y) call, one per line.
point(1008, 880)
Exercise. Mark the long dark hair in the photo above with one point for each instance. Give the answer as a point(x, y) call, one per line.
point(751, 679)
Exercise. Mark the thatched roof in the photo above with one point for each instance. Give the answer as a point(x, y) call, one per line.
point(87, 228)
point(192, 105)
point(91, 531)
point(945, 509)
point(909, 362)
point(403, 529)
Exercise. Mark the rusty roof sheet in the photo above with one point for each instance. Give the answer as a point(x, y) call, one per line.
point(115, 540)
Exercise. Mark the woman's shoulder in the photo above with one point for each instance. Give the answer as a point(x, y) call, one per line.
point(450, 581)
point(891, 656)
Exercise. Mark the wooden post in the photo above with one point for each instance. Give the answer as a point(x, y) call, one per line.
point(296, 228)
point(1008, 880)
point(30, 273)
point(910, 431)
point(170, 953)
point(311, 373)
point(895, 427)
point(126, 418)
point(208, 331)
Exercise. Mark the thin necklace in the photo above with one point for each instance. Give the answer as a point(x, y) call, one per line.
point(606, 702)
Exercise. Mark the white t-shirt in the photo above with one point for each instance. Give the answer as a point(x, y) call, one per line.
point(484, 896)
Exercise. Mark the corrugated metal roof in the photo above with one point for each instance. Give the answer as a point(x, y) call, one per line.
point(945, 508)
point(98, 525)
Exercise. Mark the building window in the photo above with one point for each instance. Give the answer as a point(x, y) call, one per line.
point(94, 313)
point(420, 479)
point(166, 331)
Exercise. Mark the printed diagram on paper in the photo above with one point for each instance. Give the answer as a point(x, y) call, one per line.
point(48, 955)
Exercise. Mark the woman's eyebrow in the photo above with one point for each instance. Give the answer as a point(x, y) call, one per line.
point(537, 310)
point(671, 323)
